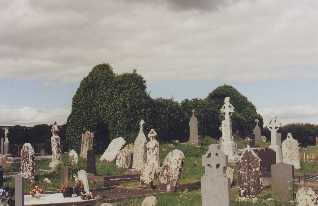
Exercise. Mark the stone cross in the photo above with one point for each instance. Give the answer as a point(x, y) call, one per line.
point(257, 131)
point(215, 186)
point(274, 126)
point(139, 154)
point(194, 131)
point(228, 145)
point(18, 191)
point(290, 148)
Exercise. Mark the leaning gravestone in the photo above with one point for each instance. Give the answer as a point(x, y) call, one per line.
point(27, 161)
point(215, 186)
point(113, 149)
point(87, 143)
point(250, 174)
point(139, 155)
point(152, 165)
point(194, 131)
point(91, 162)
point(274, 126)
point(124, 158)
point(56, 147)
point(306, 197)
point(290, 150)
point(283, 181)
point(171, 169)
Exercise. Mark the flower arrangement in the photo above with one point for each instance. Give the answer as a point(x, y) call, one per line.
point(36, 191)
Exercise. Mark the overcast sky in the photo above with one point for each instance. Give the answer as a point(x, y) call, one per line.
point(267, 49)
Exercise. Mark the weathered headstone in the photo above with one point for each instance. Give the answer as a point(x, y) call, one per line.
point(152, 165)
point(306, 197)
point(87, 143)
point(215, 186)
point(91, 162)
point(228, 145)
point(18, 191)
point(283, 181)
point(113, 149)
point(194, 130)
point(274, 126)
point(73, 158)
point(124, 158)
point(139, 155)
point(257, 131)
point(27, 161)
point(56, 147)
point(6, 142)
point(82, 176)
point(171, 169)
point(290, 148)
point(150, 201)
point(250, 174)
point(268, 158)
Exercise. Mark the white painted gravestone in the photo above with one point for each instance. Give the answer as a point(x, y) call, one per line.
point(306, 197)
point(140, 148)
point(152, 165)
point(87, 143)
point(194, 131)
point(215, 186)
point(27, 162)
point(228, 145)
point(290, 148)
point(113, 149)
point(171, 169)
point(56, 146)
point(274, 126)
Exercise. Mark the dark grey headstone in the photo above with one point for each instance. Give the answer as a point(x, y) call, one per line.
point(268, 158)
point(91, 162)
point(283, 182)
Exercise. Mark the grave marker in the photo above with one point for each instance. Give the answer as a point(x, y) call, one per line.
point(283, 181)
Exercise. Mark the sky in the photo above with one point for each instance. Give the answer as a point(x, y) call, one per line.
point(267, 49)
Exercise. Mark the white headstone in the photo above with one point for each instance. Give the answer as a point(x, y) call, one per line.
point(215, 186)
point(171, 169)
point(87, 143)
point(290, 148)
point(73, 158)
point(27, 162)
point(274, 126)
point(113, 149)
point(82, 176)
point(228, 145)
point(152, 165)
point(306, 197)
point(140, 149)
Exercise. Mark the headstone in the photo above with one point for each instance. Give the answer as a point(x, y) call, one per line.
point(290, 148)
point(113, 149)
point(73, 158)
point(91, 161)
point(274, 126)
point(306, 197)
point(6, 142)
point(283, 181)
point(268, 158)
point(171, 169)
point(215, 186)
point(139, 154)
point(228, 145)
point(82, 176)
point(56, 147)
point(27, 161)
point(150, 201)
point(152, 165)
point(249, 174)
point(87, 143)
point(257, 131)
point(124, 158)
point(18, 191)
point(194, 131)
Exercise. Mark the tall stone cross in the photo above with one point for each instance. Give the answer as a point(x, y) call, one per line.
point(226, 128)
point(274, 126)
